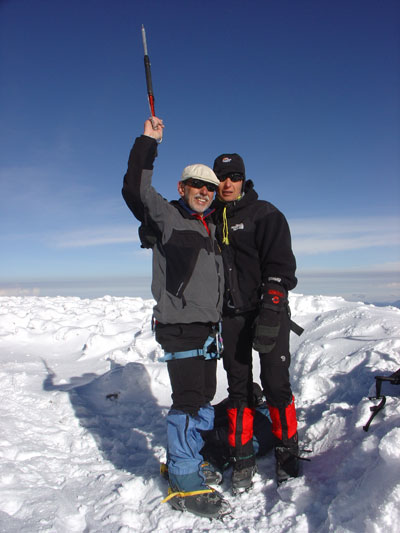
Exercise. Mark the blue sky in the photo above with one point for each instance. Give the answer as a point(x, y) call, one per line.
point(306, 91)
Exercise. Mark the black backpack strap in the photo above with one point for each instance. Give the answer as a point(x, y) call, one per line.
point(296, 328)
point(293, 326)
point(149, 234)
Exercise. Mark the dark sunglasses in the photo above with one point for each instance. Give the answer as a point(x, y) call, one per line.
point(235, 176)
point(199, 184)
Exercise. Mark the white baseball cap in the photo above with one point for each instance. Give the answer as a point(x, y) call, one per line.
point(200, 172)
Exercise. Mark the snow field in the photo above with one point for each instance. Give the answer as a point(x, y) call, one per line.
point(83, 402)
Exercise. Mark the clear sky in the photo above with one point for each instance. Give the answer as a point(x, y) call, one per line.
point(306, 91)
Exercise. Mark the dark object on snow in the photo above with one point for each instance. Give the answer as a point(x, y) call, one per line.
point(113, 396)
point(394, 379)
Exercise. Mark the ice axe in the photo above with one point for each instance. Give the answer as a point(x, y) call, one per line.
point(147, 70)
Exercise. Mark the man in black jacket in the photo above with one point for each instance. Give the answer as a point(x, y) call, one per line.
point(259, 270)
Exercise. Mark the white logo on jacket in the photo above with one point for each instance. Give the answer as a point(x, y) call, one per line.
point(237, 226)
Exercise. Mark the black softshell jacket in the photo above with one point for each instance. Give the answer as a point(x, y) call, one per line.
point(260, 248)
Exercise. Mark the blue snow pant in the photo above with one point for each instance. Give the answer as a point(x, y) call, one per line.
point(193, 382)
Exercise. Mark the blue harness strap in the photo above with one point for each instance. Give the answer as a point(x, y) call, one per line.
point(208, 353)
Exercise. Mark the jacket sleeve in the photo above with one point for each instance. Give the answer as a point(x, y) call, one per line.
point(143, 200)
point(141, 158)
point(275, 249)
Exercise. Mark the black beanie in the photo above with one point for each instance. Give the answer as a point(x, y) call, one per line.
point(229, 164)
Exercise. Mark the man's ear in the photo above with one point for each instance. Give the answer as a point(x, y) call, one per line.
point(181, 188)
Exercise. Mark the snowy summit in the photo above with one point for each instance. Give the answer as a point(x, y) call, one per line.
point(83, 407)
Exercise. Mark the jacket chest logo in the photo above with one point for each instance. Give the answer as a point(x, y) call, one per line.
point(237, 226)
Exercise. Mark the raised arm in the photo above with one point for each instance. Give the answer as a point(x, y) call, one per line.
point(138, 192)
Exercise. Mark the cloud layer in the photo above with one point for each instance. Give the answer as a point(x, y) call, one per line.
point(323, 235)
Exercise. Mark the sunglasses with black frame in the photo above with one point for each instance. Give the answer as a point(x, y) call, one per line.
point(235, 176)
point(199, 184)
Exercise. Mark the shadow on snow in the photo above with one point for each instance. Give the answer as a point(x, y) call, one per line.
point(120, 411)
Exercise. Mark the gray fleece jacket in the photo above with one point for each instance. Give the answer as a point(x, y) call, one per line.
point(187, 281)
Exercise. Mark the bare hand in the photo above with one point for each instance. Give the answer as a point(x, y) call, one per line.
point(153, 127)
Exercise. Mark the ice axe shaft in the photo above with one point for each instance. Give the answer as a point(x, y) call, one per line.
point(147, 70)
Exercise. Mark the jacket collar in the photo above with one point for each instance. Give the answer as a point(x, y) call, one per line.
point(187, 212)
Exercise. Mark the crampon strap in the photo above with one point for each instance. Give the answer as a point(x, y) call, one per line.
point(172, 494)
point(394, 379)
point(300, 457)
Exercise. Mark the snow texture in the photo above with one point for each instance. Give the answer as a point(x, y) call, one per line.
point(83, 403)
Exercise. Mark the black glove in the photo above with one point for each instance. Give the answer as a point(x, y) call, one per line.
point(268, 322)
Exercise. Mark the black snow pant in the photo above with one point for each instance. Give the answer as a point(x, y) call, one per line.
point(237, 333)
point(193, 383)
point(193, 379)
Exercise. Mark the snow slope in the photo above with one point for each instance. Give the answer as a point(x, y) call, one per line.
point(83, 406)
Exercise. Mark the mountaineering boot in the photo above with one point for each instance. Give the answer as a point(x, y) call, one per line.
point(209, 503)
point(240, 438)
point(284, 428)
point(188, 489)
point(287, 459)
point(242, 479)
point(211, 475)
point(188, 492)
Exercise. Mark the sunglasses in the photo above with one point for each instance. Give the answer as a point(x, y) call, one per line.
point(235, 176)
point(199, 184)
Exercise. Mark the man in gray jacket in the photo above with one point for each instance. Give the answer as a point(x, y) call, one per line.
point(187, 285)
